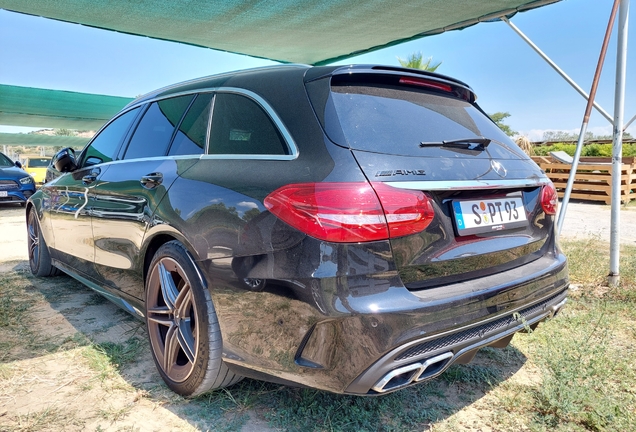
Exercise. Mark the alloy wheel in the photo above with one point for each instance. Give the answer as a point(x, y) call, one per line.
point(33, 241)
point(172, 321)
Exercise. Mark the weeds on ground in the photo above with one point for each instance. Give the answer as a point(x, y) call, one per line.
point(586, 355)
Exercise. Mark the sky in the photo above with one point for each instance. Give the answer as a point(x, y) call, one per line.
point(507, 75)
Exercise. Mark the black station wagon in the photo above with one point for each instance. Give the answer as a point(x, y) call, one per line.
point(353, 229)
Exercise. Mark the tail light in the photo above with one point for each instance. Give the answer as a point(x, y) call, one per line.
point(351, 212)
point(549, 199)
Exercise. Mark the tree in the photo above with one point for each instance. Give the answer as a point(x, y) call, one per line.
point(415, 61)
point(498, 118)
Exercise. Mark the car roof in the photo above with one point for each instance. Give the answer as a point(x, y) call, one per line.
point(306, 72)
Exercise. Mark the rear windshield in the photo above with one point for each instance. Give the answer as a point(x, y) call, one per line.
point(396, 119)
point(38, 163)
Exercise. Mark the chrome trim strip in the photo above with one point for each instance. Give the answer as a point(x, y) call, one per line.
point(251, 157)
point(469, 184)
point(291, 144)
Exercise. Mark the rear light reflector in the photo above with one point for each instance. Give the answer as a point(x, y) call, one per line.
point(549, 199)
point(426, 83)
point(351, 212)
point(406, 211)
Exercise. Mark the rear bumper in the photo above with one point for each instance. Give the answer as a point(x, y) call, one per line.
point(426, 358)
point(350, 333)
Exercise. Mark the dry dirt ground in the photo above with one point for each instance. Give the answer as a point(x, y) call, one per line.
point(61, 372)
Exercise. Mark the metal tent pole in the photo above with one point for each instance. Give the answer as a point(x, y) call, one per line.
point(586, 119)
point(629, 123)
point(617, 143)
point(556, 68)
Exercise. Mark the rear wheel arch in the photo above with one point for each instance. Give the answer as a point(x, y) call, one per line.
point(155, 242)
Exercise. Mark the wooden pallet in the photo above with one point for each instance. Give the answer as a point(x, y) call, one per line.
point(593, 179)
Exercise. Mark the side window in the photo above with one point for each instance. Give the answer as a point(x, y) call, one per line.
point(240, 126)
point(190, 138)
point(153, 133)
point(104, 146)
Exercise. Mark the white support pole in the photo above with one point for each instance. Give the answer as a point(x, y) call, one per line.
point(617, 142)
point(557, 68)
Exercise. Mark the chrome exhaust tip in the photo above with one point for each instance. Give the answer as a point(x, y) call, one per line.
point(555, 309)
point(415, 372)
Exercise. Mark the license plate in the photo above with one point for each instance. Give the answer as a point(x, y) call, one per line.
point(4, 194)
point(481, 216)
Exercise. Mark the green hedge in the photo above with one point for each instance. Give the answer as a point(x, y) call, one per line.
point(588, 150)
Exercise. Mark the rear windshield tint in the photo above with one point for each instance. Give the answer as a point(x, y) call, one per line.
point(38, 163)
point(396, 119)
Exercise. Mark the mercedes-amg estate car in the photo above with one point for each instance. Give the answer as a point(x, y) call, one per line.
point(355, 229)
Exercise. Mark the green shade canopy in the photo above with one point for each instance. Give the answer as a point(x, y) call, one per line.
point(34, 107)
point(300, 31)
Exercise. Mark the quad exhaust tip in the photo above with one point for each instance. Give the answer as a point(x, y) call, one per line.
point(414, 372)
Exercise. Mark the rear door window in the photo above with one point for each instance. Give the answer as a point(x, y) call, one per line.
point(190, 137)
point(241, 127)
point(154, 132)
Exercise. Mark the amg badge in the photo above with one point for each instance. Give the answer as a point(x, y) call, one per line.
point(389, 173)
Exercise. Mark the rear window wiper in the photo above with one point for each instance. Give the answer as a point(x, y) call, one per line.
point(475, 143)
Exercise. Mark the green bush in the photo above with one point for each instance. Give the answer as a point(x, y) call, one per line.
point(599, 150)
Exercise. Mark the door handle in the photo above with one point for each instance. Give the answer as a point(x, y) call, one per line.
point(152, 180)
point(90, 178)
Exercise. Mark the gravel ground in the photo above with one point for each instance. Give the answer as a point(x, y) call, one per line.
point(583, 220)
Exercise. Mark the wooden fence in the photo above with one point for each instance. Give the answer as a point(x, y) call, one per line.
point(593, 179)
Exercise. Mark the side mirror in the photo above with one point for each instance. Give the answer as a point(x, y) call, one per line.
point(64, 160)
point(18, 164)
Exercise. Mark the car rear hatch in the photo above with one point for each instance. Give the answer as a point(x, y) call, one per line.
point(424, 132)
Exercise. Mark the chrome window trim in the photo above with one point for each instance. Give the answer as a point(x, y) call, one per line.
point(195, 157)
point(442, 185)
point(291, 144)
point(154, 158)
point(249, 157)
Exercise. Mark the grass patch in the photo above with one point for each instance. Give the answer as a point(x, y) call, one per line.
point(294, 409)
point(586, 355)
point(49, 418)
point(107, 358)
point(16, 335)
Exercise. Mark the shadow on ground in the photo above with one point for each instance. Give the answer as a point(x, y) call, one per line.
point(61, 317)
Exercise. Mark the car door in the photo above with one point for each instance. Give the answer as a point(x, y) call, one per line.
point(127, 194)
point(68, 198)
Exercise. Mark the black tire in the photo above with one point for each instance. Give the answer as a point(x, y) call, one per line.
point(181, 315)
point(241, 267)
point(256, 285)
point(39, 257)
